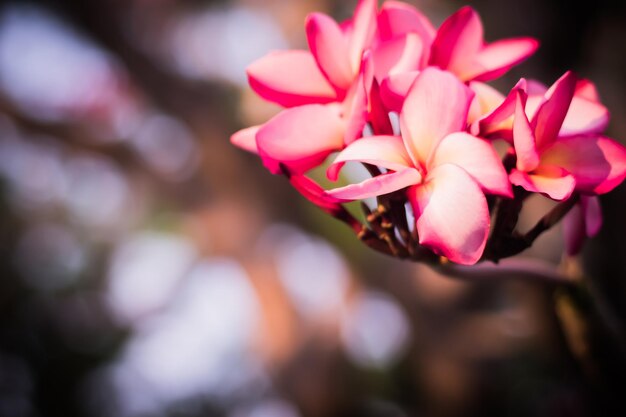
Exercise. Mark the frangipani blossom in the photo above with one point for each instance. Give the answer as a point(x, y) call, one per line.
point(556, 165)
point(397, 20)
point(586, 114)
point(486, 100)
point(331, 85)
point(324, 74)
point(440, 159)
point(324, 90)
point(459, 47)
point(445, 168)
point(403, 41)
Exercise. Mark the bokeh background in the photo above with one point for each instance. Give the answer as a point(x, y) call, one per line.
point(149, 268)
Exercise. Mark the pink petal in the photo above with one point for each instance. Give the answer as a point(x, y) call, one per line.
point(549, 118)
point(355, 110)
point(523, 137)
point(383, 151)
point(533, 103)
point(557, 187)
point(436, 105)
point(486, 100)
point(452, 214)
point(246, 139)
point(597, 163)
point(363, 30)
point(500, 119)
point(313, 192)
point(458, 41)
point(379, 185)
point(301, 137)
point(330, 48)
point(355, 106)
point(379, 115)
point(535, 88)
point(397, 19)
point(587, 90)
point(477, 157)
point(584, 116)
point(394, 89)
point(290, 78)
point(497, 58)
point(399, 55)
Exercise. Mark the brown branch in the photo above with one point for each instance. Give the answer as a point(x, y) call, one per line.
point(552, 218)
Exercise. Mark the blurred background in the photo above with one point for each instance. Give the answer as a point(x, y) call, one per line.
point(149, 268)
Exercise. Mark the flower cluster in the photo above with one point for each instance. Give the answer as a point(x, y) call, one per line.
point(343, 97)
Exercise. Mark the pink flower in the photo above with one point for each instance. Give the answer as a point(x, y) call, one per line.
point(556, 161)
point(397, 20)
point(324, 74)
point(328, 90)
point(445, 168)
point(493, 114)
point(335, 84)
point(460, 48)
point(324, 90)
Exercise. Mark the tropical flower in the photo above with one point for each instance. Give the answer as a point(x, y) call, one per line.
point(359, 74)
point(492, 116)
point(556, 161)
point(459, 47)
point(321, 87)
point(445, 168)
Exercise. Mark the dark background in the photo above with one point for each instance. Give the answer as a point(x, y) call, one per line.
point(149, 268)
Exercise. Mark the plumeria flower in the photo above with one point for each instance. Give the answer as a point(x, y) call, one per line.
point(555, 163)
point(403, 40)
point(398, 20)
point(440, 160)
point(445, 169)
point(327, 90)
point(493, 115)
point(401, 46)
point(459, 47)
point(486, 100)
point(324, 91)
point(327, 72)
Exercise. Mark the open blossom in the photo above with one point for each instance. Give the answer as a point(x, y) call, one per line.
point(459, 47)
point(492, 116)
point(320, 87)
point(445, 168)
point(330, 84)
point(333, 82)
point(554, 161)
point(441, 161)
